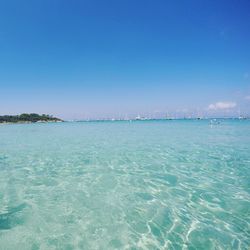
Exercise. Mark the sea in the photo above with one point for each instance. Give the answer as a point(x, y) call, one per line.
point(163, 184)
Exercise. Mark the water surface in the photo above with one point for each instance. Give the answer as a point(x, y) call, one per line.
point(125, 185)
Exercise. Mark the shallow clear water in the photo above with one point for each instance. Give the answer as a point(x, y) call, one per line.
point(122, 185)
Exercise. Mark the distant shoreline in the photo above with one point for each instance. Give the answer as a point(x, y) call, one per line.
point(51, 119)
point(28, 118)
point(160, 119)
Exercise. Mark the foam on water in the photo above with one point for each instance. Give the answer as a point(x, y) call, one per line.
point(121, 185)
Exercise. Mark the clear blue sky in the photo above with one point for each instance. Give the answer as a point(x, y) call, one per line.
point(88, 58)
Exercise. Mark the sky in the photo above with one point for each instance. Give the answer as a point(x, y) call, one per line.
point(119, 58)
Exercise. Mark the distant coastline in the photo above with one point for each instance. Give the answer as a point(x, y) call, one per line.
point(159, 119)
point(44, 118)
point(28, 118)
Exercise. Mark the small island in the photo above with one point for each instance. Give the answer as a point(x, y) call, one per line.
point(28, 118)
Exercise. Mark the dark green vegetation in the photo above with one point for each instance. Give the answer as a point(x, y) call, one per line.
point(28, 118)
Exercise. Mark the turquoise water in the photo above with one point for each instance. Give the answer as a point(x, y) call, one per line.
point(121, 185)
